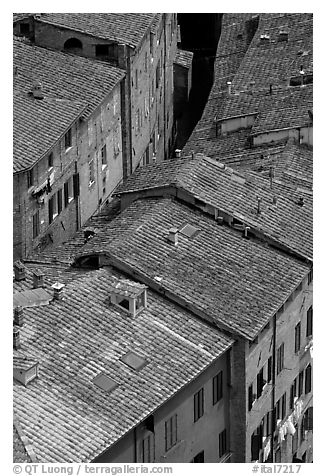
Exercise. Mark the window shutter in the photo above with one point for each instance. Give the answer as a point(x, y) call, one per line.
point(51, 210)
point(59, 201)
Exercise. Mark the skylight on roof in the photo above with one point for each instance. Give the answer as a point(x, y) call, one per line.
point(133, 360)
point(104, 382)
point(189, 230)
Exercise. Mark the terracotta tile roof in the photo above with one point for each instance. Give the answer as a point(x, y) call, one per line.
point(38, 124)
point(126, 28)
point(65, 416)
point(184, 58)
point(73, 86)
point(243, 62)
point(32, 297)
point(274, 62)
point(23, 362)
point(287, 222)
point(20, 454)
point(281, 118)
point(22, 449)
point(238, 283)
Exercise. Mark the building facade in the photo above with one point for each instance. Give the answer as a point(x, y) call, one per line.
point(67, 144)
point(144, 46)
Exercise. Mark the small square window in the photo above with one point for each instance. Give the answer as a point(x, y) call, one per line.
point(24, 28)
point(133, 360)
point(189, 230)
point(104, 382)
point(101, 50)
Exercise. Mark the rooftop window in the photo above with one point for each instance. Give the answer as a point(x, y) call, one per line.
point(73, 45)
point(189, 230)
point(133, 360)
point(104, 382)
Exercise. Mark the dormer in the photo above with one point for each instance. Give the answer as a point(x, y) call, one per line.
point(25, 368)
point(128, 295)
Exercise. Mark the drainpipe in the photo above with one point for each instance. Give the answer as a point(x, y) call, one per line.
point(164, 82)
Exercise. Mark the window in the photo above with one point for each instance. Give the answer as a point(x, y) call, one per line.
point(73, 44)
point(158, 73)
point(218, 387)
point(269, 369)
point(260, 382)
point(293, 394)
point(251, 397)
point(136, 79)
point(280, 358)
point(146, 62)
point(146, 453)
point(53, 208)
point(300, 390)
point(104, 157)
point(310, 276)
point(59, 199)
point(309, 322)
point(101, 50)
point(91, 172)
point(50, 161)
point(24, 28)
point(68, 192)
point(222, 443)
point(36, 224)
point(199, 458)
point(198, 404)
point(297, 337)
point(283, 414)
point(30, 178)
point(307, 384)
point(68, 140)
point(170, 432)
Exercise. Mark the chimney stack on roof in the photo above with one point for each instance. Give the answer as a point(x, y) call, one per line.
point(19, 316)
point(37, 90)
point(58, 289)
point(20, 271)
point(258, 205)
point(301, 201)
point(16, 336)
point(178, 153)
point(38, 279)
point(274, 200)
point(173, 236)
point(88, 234)
point(229, 83)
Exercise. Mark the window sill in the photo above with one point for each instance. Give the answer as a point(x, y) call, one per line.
point(90, 184)
point(104, 167)
point(70, 199)
point(68, 149)
point(50, 169)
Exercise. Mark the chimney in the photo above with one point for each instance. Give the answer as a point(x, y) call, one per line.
point(258, 205)
point(245, 232)
point(173, 236)
point(274, 200)
point(219, 220)
point(251, 87)
point(37, 90)
point(20, 271)
point(38, 279)
point(229, 83)
point(301, 201)
point(178, 153)
point(88, 234)
point(193, 153)
point(58, 289)
point(16, 335)
point(270, 89)
point(18, 316)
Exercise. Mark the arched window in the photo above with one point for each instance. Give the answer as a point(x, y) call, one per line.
point(73, 45)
